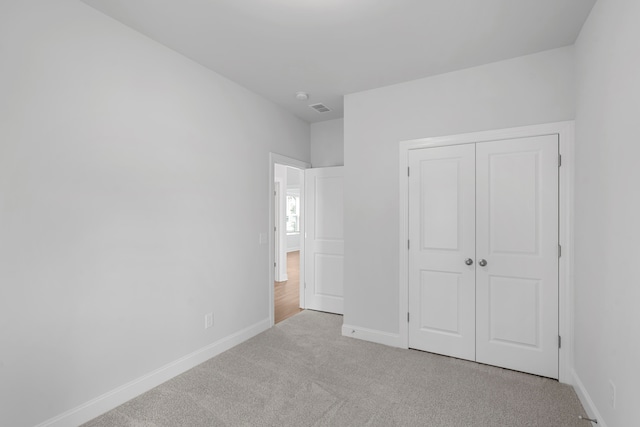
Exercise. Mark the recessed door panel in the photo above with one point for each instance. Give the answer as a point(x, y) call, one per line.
point(440, 302)
point(328, 275)
point(441, 231)
point(328, 207)
point(514, 311)
point(439, 209)
point(517, 236)
point(514, 201)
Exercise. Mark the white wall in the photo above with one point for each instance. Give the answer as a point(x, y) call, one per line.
point(607, 225)
point(293, 242)
point(523, 91)
point(327, 143)
point(293, 177)
point(119, 228)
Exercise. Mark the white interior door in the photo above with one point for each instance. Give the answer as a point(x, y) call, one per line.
point(324, 243)
point(517, 237)
point(442, 243)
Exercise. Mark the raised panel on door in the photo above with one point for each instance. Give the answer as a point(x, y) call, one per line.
point(441, 233)
point(324, 243)
point(517, 235)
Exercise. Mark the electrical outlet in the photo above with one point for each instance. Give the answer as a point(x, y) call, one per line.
point(208, 320)
point(612, 394)
point(262, 238)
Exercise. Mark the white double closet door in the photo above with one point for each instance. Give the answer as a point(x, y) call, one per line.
point(483, 256)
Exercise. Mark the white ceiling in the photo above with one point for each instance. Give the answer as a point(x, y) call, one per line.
point(330, 48)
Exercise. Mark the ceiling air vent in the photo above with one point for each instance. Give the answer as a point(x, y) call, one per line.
point(320, 108)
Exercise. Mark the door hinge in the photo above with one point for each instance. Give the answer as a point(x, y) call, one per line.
point(559, 341)
point(559, 251)
point(559, 160)
point(305, 285)
point(408, 244)
point(407, 317)
point(274, 264)
point(408, 173)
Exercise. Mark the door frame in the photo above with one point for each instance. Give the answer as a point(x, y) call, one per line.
point(280, 274)
point(565, 132)
point(299, 164)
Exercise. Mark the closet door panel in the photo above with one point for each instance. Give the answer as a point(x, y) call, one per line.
point(441, 232)
point(517, 237)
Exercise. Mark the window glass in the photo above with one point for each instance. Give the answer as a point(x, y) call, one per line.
point(293, 213)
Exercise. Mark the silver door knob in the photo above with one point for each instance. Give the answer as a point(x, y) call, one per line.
point(482, 262)
point(468, 261)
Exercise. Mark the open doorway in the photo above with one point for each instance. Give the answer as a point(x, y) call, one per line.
point(286, 284)
point(288, 241)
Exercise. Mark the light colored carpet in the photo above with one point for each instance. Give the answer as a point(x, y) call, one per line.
point(302, 372)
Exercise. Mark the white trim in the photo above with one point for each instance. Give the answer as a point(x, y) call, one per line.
point(116, 397)
point(565, 238)
point(490, 135)
point(565, 131)
point(280, 262)
point(303, 234)
point(403, 298)
point(287, 161)
point(372, 335)
point(587, 402)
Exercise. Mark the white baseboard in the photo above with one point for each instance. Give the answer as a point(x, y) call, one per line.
point(128, 391)
point(372, 335)
point(587, 402)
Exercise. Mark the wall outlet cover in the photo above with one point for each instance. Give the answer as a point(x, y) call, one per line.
point(208, 320)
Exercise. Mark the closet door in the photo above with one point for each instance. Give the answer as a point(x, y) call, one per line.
point(442, 250)
point(517, 254)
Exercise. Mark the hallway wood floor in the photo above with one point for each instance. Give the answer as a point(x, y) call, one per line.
point(287, 293)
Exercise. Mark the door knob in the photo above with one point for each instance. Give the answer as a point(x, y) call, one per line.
point(468, 261)
point(482, 262)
